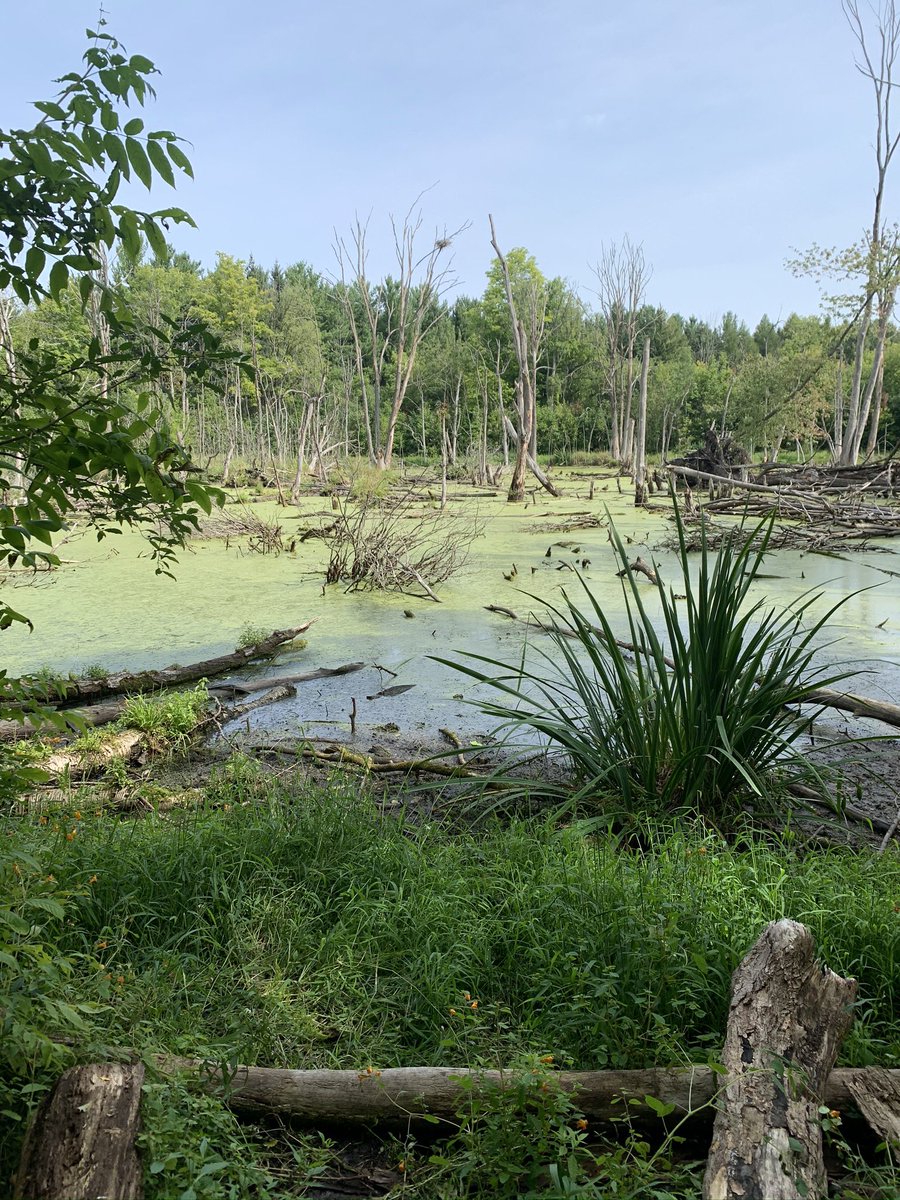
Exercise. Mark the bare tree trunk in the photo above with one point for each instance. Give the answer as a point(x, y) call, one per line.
point(787, 1020)
point(640, 468)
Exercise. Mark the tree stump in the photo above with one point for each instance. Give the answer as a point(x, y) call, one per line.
point(787, 1019)
point(82, 1143)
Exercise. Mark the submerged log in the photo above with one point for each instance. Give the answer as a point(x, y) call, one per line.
point(82, 1143)
point(787, 1019)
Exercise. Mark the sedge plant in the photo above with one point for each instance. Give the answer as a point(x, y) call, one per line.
point(696, 711)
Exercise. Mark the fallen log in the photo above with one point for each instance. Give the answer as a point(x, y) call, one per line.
point(79, 763)
point(96, 714)
point(81, 1145)
point(284, 691)
point(877, 1096)
point(339, 755)
point(125, 682)
point(787, 1019)
point(244, 687)
point(396, 1093)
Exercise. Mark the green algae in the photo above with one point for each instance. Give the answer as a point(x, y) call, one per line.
point(107, 608)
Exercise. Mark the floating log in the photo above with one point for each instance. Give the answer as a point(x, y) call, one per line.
point(787, 1019)
point(81, 1145)
point(125, 682)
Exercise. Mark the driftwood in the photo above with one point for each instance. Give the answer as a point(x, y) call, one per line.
point(82, 1143)
point(336, 754)
point(283, 691)
point(787, 1019)
point(96, 714)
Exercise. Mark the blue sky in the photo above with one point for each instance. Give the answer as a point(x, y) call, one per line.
point(719, 133)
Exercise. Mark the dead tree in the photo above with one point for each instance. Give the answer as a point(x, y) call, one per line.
point(622, 278)
point(395, 317)
point(877, 65)
point(527, 341)
point(640, 455)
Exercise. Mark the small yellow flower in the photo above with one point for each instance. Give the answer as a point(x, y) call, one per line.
point(101, 945)
point(70, 837)
point(452, 1012)
point(546, 1058)
point(93, 879)
point(42, 820)
point(51, 879)
point(76, 815)
point(16, 868)
point(701, 850)
point(474, 1004)
point(582, 1124)
point(120, 979)
point(835, 1115)
point(56, 829)
point(467, 995)
point(401, 1165)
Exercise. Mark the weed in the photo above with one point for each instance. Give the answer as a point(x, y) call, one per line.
point(252, 635)
point(94, 671)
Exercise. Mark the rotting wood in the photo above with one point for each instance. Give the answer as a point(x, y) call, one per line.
point(338, 755)
point(787, 1019)
point(77, 763)
point(95, 714)
point(283, 691)
point(124, 682)
point(392, 1093)
point(877, 1096)
point(244, 687)
point(81, 1145)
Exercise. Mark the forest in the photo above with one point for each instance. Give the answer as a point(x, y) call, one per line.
point(448, 744)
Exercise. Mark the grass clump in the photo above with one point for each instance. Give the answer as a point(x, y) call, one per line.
point(698, 718)
point(169, 719)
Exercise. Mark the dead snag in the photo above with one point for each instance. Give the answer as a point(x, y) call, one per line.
point(787, 1019)
point(82, 1143)
point(642, 568)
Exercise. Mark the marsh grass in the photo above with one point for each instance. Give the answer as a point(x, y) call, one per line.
point(699, 717)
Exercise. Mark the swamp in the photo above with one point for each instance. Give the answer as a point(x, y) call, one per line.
point(449, 743)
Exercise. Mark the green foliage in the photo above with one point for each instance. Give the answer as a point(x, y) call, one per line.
point(170, 718)
point(699, 718)
point(252, 635)
point(80, 431)
point(531, 1140)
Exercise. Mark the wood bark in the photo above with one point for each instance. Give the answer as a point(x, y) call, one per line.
point(787, 1019)
point(244, 686)
point(640, 456)
point(533, 466)
point(82, 764)
point(124, 682)
point(395, 1093)
point(82, 1143)
point(877, 1096)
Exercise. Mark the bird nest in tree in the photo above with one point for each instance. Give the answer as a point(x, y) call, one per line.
point(396, 545)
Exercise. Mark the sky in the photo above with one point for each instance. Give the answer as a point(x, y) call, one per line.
point(722, 135)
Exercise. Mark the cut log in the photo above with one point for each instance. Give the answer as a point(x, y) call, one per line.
point(82, 1143)
point(125, 682)
point(787, 1019)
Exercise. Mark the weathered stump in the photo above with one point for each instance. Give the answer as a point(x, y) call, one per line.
point(82, 1143)
point(787, 1019)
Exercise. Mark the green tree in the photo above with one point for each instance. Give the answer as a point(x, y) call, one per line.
point(80, 433)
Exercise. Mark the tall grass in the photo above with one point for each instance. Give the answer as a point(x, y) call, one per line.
point(695, 718)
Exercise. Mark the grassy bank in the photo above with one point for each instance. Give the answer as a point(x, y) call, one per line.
point(302, 927)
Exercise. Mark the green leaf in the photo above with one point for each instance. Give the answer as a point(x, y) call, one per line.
point(34, 263)
point(46, 905)
point(139, 161)
point(156, 238)
point(129, 233)
point(658, 1106)
point(115, 149)
point(179, 158)
point(50, 109)
point(133, 127)
point(138, 62)
point(109, 118)
point(162, 164)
